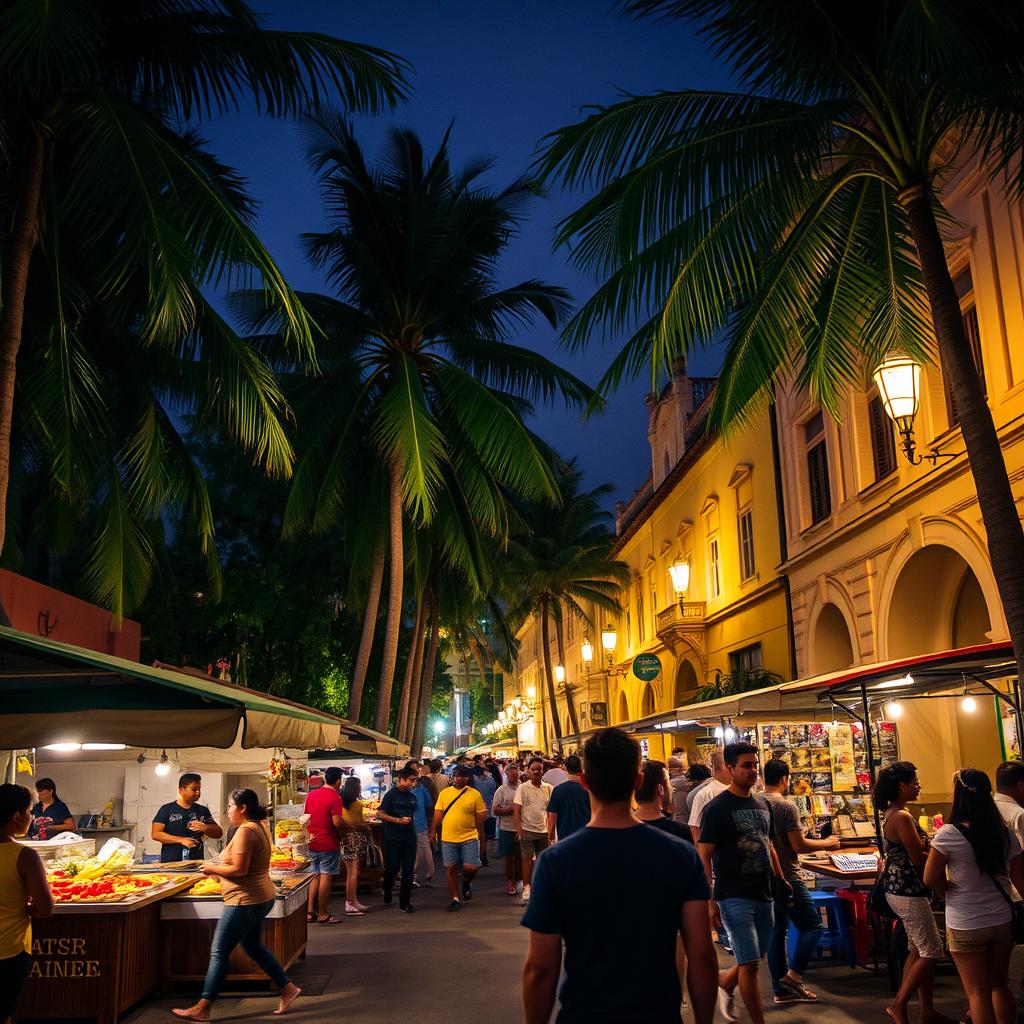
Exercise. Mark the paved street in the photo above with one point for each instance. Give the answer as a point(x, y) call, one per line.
point(389, 968)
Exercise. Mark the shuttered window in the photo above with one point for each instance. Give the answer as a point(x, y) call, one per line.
point(746, 533)
point(714, 569)
point(883, 444)
point(819, 492)
point(964, 285)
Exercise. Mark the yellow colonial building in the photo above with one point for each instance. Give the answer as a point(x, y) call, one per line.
point(711, 506)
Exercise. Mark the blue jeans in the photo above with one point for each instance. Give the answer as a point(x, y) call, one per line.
point(801, 911)
point(241, 925)
point(749, 926)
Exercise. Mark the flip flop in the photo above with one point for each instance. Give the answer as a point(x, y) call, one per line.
point(311, 918)
point(328, 920)
point(185, 1015)
point(286, 1003)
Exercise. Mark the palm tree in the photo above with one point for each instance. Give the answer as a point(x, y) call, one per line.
point(801, 216)
point(415, 360)
point(97, 159)
point(562, 563)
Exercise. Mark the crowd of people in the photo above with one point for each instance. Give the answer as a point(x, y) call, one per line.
point(600, 849)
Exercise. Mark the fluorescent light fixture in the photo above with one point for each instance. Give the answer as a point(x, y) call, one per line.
point(907, 680)
point(104, 746)
point(63, 748)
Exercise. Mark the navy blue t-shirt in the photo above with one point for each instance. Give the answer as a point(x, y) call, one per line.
point(57, 813)
point(571, 802)
point(615, 895)
point(175, 820)
point(400, 803)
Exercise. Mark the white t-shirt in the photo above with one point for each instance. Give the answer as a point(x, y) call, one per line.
point(555, 776)
point(972, 899)
point(505, 794)
point(1013, 814)
point(703, 798)
point(534, 803)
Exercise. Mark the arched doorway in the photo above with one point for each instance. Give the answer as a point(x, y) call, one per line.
point(937, 603)
point(832, 648)
point(647, 701)
point(623, 715)
point(686, 684)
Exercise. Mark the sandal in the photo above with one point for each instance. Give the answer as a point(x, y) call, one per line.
point(797, 990)
point(311, 918)
point(328, 920)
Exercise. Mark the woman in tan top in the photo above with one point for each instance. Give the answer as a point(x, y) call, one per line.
point(248, 893)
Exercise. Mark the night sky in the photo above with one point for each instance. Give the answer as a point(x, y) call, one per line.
point(506, 73)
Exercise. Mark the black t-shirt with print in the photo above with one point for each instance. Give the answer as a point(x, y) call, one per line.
point(741, 829)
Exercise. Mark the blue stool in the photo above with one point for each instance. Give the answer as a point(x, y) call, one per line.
point(836, 934)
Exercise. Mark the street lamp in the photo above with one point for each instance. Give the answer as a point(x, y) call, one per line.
point(608, 640)
point(679, 570)
point(531, 692)
point(559, 673)
point(898, 378)
point(587, 650)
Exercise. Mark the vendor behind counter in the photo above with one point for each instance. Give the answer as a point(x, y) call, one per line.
point(50, 815)
point(181, 826)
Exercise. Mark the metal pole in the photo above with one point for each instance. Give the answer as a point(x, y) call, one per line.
point(870, 749)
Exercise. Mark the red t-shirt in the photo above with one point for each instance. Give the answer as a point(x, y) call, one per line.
point(321, 806)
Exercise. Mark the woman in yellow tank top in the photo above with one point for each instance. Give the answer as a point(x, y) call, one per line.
point(24, 894)
point(248, 893)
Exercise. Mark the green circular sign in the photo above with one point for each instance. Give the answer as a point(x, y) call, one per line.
point(646, 666)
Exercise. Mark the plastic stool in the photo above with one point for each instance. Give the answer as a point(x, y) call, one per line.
point(836, 934)
point(855, 902)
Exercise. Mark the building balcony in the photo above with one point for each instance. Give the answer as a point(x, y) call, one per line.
point(679, 621)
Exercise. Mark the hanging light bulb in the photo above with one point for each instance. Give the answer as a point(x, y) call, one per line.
point(969, 704)
point(164, 767)
point(894, 709)
point(719, 732)
point(730, 734)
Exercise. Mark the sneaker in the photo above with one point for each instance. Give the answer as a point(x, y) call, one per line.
point(407, 909)
point(526, 894)
point(353, 911)
point(454, 905)
point(387, 896)
point(467, 892)
point(727, 1005)
point(361, 906)
point(415, 885)
point(510, 889)
point(519, 885)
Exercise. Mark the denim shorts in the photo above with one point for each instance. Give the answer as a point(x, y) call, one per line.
point(465, 854)
point(749, 924)
point(326, 862)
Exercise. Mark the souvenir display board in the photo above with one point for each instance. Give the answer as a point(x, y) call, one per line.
point(828, 765)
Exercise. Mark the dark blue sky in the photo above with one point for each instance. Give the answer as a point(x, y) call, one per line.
point(506, 73)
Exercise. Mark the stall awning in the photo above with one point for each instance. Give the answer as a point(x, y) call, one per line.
point(54, 692)
point(358, 740)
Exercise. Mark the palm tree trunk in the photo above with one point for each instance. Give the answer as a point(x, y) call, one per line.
point(570, 703)
point(394, 618)
point(355, 696)
point(419, 728)
point(545, 635)
point(20, 245)
point(407, 721)
point(408, 680)
point(995, 497)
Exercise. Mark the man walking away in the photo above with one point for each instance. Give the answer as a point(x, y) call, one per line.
point(557, 773)
point(799, 908)
point(530, 809)
point(698, 776)
point(736, 848)
point(486, 786)
point(427, 779)
point(423, 791)
point(569, 806)
point(439, 777)
point(1010, 796)
point(398, 812)
point(325, 826)
point(508, 847)
point(715, 786)
point(459, 818)
point(617, 893)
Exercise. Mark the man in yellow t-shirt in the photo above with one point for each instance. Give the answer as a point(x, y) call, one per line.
point(459, 815)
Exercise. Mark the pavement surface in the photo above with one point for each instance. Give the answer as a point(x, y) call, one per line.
point(464, 968)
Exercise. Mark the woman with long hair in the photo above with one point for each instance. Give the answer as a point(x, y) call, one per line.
point(972, 861)
point(24, 894)
point(354, 841)
point(906, 850)
point(248, 892)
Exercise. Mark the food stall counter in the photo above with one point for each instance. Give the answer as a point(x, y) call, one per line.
point(852, 873)
point(187, 924)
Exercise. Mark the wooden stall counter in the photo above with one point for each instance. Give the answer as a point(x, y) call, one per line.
point(187, 924)
point(856, 871)
point(94, 960)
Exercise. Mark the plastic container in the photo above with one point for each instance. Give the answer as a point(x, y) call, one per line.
point(51, 850)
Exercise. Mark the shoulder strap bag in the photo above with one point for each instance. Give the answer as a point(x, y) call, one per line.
point(462, 793)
